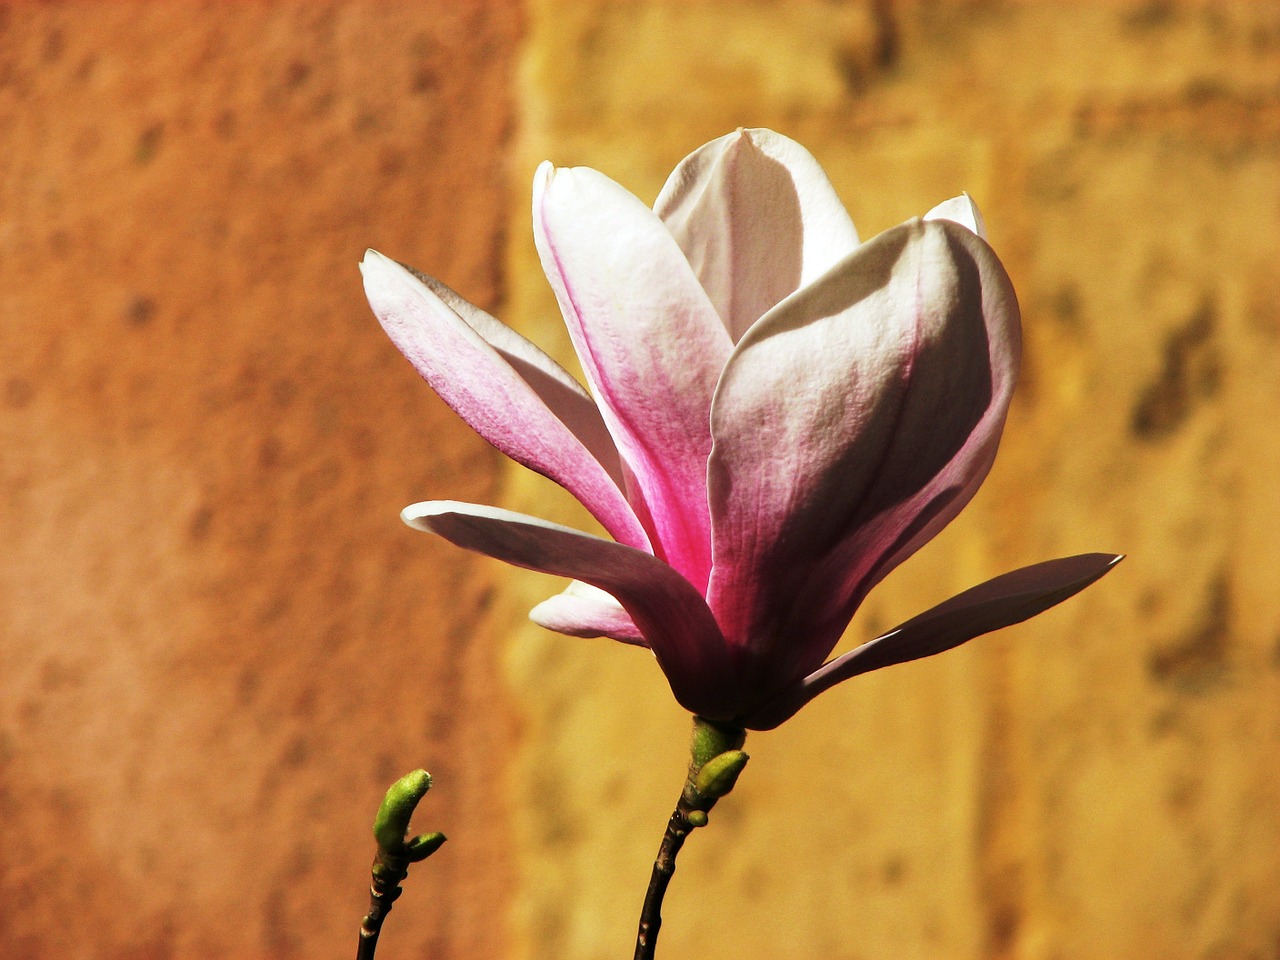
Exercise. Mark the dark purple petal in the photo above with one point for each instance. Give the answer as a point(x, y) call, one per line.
point(1002, 602)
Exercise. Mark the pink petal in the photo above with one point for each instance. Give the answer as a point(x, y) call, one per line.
point(669, 612)
point(961, 210)
point(851, 423)
point(562, 394)
point(650, 343)
point(510, 392)
point(998, 603)
point(582, 610)
point(757, 218)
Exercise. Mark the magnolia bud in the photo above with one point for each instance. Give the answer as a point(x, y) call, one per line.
point(419, 848)
point(392, 821)
point(719, 774)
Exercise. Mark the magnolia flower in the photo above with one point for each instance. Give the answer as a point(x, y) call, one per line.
point(782, 414)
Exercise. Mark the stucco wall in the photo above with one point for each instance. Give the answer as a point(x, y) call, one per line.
point(218, 644)
point(1100, 782)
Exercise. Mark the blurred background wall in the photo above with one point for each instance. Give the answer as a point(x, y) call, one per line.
point(217, 645)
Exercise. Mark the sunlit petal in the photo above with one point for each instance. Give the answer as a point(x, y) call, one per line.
point(505, 388)
point(841, 417)
point(757, 218)
point(649, 340)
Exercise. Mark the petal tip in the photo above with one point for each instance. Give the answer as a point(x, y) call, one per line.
point(418, 515)
point(376, 265)
point(542, 176)
point(961, 210)
point(370, 259)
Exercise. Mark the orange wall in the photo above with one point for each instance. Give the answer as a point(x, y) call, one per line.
point(218, 644)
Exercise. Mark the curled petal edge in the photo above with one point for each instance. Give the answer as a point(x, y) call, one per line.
point(670, 613)
point(1001, 602)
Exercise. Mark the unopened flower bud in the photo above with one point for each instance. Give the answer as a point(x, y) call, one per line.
point(719, 774)
point(419, 848)
point(392, 821)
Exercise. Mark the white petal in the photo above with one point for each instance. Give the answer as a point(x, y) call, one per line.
point(961, 210)
point(582, 610)
point(757, 218)
point(844, 422)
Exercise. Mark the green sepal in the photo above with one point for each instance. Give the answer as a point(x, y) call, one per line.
point(392, 821)
point(719, 774)
point(421, 847)
point(712, 739)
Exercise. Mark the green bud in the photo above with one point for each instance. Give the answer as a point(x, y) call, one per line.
point(720, 773)
point(419, 848)
point(712, 739)
point(392, 821)
point(696, 818)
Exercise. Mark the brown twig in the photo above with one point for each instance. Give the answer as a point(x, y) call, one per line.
point(664, 867)
point(713, 770)
point(388, 873)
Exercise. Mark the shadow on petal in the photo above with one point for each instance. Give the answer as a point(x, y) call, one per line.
point(1002, 602)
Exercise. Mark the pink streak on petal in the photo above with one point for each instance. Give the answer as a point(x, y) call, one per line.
point(484, 384)
point(562, 394)
point(650, 343)
point(757, 218)
point(670, 613)
point(851, 423)
point(582, 610)
point(1002, 602)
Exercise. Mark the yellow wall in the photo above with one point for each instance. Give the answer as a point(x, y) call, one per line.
point(1101, 783)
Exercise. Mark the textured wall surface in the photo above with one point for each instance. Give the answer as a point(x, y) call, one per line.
point(1102, 782)
point(217, 642)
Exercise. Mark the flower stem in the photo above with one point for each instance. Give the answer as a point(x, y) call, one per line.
point(714, 766)
point(389, 872)
point(664, 867)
